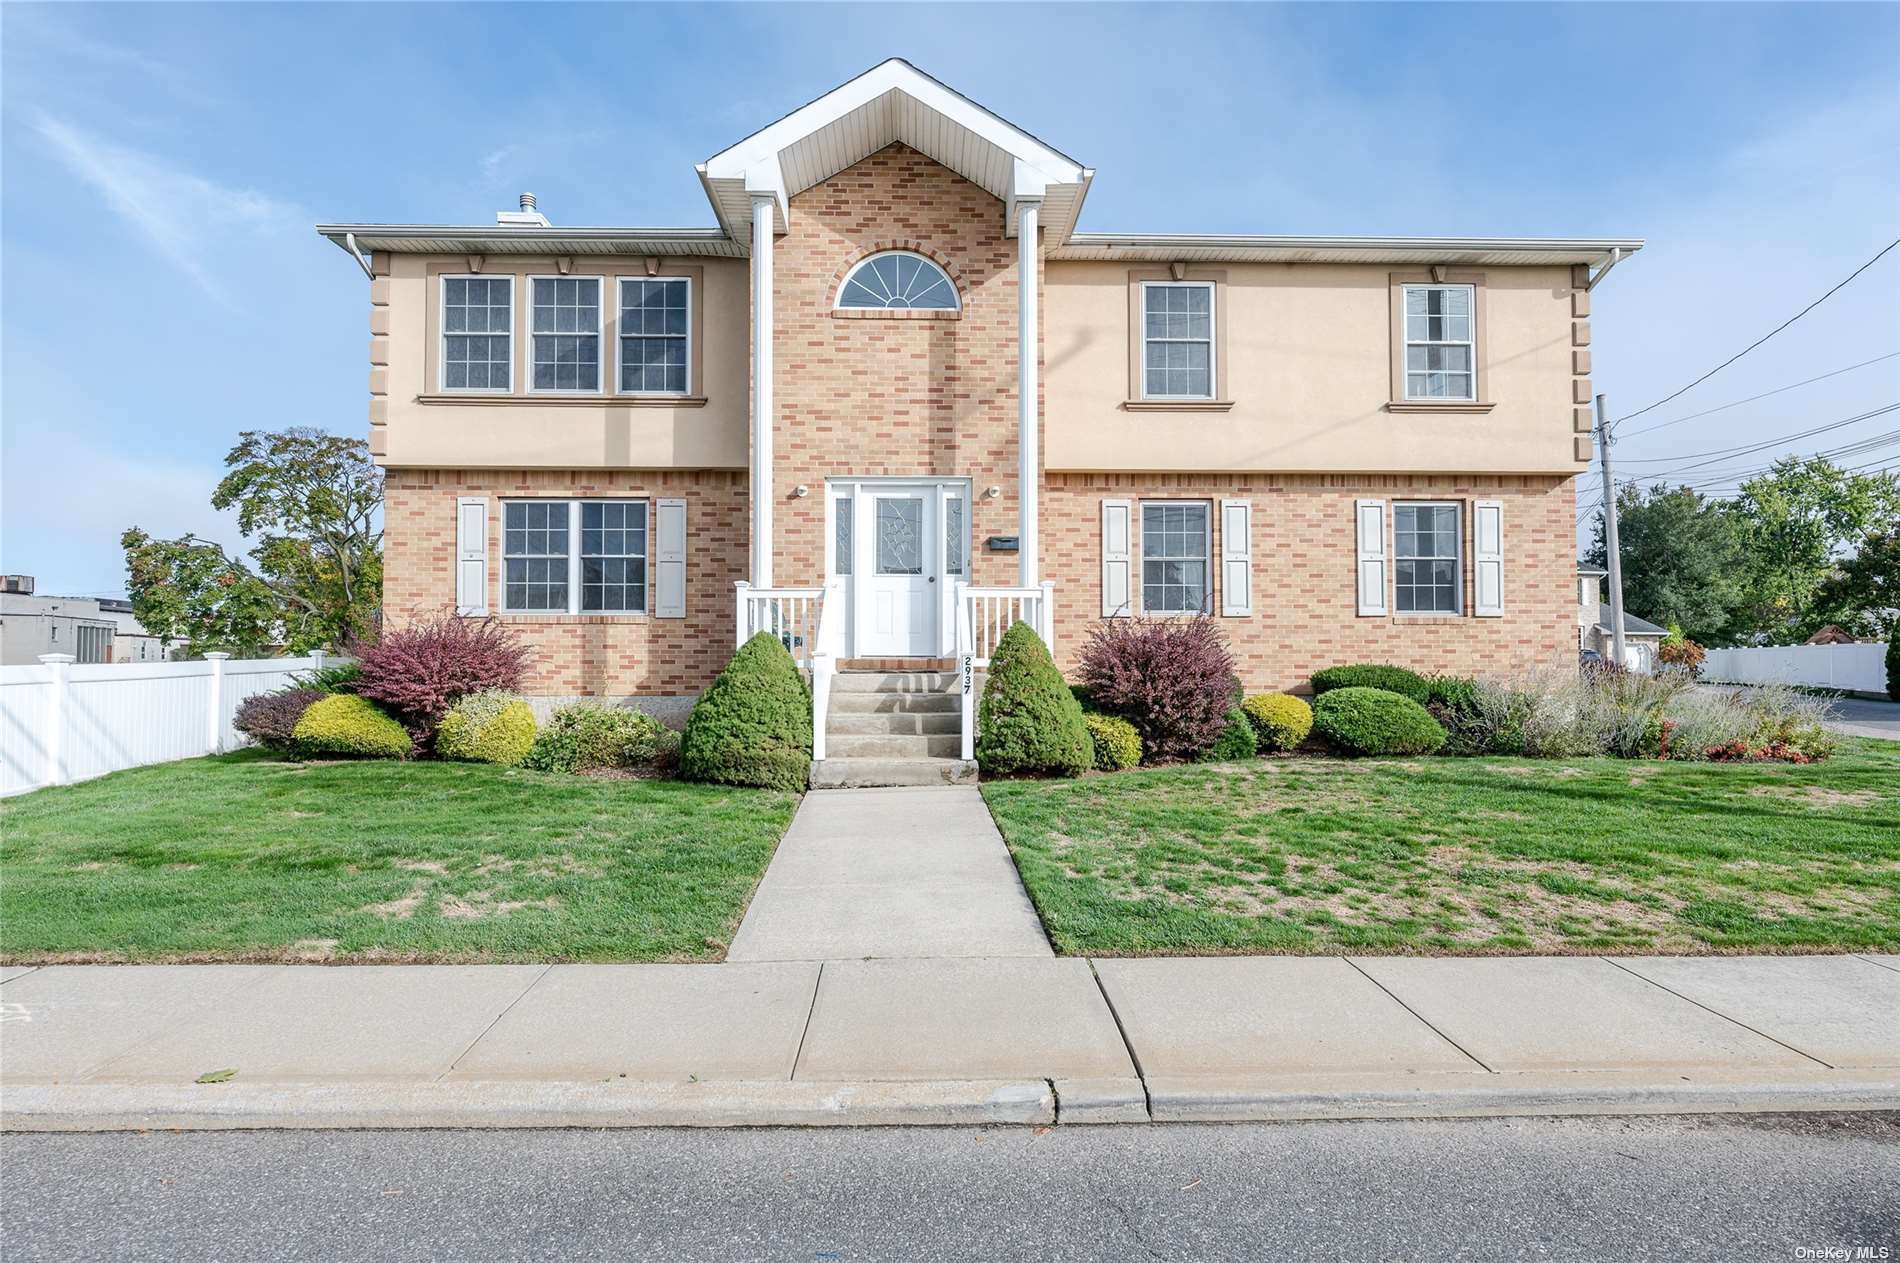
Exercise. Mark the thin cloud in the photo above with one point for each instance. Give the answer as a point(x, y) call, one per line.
point(182, 214)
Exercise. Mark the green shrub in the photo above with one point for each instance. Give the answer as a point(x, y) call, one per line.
point(1372, 675)
point(1280, 720)
point(1363, 720)
point(587, 737)
point(1236, 741)
point(753, 726)
point(344, 723)
point(1085, 698)
point(1117, 744)
point(1458, 692)
point(1893, 666)
point(487, 727)
point(338, 677)
point(1029, 721)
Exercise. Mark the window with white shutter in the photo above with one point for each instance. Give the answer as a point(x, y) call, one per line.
point(1370, 516)
point(1487, 557)
point(1236, 558)
point(1116, 516)
point(471, 555)
point(669, 567)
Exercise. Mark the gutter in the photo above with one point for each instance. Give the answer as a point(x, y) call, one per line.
point(349, 243)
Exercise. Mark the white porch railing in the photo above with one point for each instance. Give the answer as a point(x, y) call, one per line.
point(983, 615)
point(791, 614)
point(810, 623)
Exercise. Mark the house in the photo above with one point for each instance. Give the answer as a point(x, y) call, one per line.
point(896, 398)
point(1642, 640)
point(1832, 634)
point(91, 629)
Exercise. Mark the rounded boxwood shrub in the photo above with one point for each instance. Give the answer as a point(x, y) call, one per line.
point(1028, 720)
point(587, 737)
point(1117, 744)
point(1280, 720)
point(270, 718)
point(487, 727)
point(753, 726)
point(1236, 741)
point(1373, 675)
point(344, 723)
point(1375, 721)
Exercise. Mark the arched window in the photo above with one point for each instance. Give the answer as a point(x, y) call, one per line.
point(898, 278)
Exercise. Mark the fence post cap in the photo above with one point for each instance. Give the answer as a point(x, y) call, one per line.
point(57, 659)
point(216, 656)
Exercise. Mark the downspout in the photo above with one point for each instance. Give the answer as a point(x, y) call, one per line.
point(349, 243)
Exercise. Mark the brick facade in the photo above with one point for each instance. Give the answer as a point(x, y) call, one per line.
point(933, 394)
point(601, 654)
point(917, 393)
point(1305, 612)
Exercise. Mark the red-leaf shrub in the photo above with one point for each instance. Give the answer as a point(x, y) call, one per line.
point(421, 670)
point(1173, 679)
point(270, 718)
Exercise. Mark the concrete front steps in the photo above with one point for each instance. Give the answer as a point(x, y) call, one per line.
point(892, 728)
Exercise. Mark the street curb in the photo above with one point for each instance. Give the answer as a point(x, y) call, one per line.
point(486, 1104)
point(1296, 1097)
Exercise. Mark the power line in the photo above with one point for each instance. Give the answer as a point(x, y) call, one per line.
point(1758, 341)
point(1724, 451)
point(1663, 425)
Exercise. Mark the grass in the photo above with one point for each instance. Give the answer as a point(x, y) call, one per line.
point(244, 857)
point(1466, 856)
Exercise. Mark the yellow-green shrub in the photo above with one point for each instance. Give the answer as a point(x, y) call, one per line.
point(487, 727)
point(1117, 744)
point(1280, 720)
point(345, 723)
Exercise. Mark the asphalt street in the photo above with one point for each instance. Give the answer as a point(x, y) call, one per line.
point(1731, 1188)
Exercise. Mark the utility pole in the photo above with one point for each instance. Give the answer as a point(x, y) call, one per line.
point(1604, 443)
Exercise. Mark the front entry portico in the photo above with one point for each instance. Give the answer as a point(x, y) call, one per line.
point(897, 548)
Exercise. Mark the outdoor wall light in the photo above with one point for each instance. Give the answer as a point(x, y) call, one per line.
point(991, 493)
point(800, 491)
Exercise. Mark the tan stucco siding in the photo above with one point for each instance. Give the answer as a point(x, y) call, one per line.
point(517, 431)
point(1307, 367)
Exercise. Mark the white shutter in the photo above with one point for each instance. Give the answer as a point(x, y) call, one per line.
point(1236, 558)
point(1371, 569)
point(1116, 567)
point(471, 555)
point(669, 559)
point(1487, 555)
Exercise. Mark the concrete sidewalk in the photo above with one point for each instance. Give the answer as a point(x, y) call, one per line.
point(867, 873)
point(966, 1040)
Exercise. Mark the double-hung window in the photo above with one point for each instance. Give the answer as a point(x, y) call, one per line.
point(575, 556)
point(1440, 342)
point(1427, 555)
point(477, 333)
point(1177, 340)
point(1175, 546)
point(655, 335)
point(565, 333)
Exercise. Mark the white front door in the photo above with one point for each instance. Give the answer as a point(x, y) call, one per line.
point(897, 580)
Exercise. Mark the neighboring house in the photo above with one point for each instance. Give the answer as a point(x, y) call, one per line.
point(90, 629)
point(1833, 635)
point(1342, 448)
point(1642, 640)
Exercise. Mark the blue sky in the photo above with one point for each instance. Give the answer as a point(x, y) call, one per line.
point(164, 164)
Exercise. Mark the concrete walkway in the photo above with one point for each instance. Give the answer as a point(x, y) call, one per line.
point(878, 873)
point(968, 1040)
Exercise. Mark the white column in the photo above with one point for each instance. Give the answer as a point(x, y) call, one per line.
point(762, 205)
point(214, 722)
point(1028, 430)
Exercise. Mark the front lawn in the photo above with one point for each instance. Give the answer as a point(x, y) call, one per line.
point(245, 857)
point(1479, 855)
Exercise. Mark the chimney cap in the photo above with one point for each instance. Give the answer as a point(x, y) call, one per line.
point(526, 217)
point(527, 201)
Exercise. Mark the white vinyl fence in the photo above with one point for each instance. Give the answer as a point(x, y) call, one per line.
point(62, 722)
point(1859, 668)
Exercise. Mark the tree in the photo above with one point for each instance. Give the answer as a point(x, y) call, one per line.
point(1681, 559)
point(1796, 521)
point(1863, 593)
point(314, 579)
